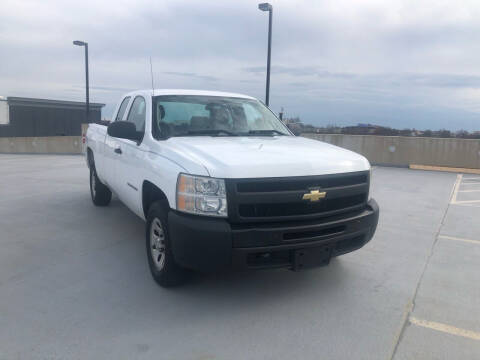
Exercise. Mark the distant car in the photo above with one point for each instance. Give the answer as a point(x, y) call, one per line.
point(223, 184)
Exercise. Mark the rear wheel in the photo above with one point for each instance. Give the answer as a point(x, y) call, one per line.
point(165, 271)
point(101, 195)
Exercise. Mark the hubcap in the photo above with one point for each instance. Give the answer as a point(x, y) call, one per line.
point(157, 243)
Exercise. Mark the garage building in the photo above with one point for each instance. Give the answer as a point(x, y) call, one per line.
point(26, 117)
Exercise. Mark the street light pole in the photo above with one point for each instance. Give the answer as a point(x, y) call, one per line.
point(87, 88)
point(269, 8)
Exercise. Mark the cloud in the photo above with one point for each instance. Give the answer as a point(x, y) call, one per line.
point(444, 80)
point(288, 70)
point(104, 88)
point(309, 71)
point(191, 75)
point(332, 60)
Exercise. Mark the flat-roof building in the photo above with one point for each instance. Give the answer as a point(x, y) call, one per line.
point(26, 117)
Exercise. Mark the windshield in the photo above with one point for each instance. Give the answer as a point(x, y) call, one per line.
point(191, 115)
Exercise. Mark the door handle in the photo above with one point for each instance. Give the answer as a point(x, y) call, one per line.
point(118, 150)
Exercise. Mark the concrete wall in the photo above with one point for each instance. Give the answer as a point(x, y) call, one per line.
point(403, 151)
point(42, 145)
point(381, 150)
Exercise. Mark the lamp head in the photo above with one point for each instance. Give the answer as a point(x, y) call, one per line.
point(265, 7)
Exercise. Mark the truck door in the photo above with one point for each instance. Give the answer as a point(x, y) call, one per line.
point(130, 159)
point(111, 149)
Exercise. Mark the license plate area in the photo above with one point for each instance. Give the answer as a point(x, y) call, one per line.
point(311, 257)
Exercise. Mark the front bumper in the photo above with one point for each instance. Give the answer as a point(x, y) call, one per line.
point(209, 244)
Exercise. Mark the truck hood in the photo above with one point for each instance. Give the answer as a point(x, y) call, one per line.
point(254, 157)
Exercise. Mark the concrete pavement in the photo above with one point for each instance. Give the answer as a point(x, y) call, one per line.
point(74, 280)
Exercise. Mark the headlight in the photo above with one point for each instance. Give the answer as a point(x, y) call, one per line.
point(201, 195)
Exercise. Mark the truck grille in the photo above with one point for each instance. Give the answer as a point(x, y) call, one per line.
point(277, 199)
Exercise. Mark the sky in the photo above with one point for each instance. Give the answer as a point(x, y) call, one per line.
point(403, 64)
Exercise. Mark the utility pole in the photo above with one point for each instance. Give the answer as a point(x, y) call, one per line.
point(269, 8)
point(87, 88)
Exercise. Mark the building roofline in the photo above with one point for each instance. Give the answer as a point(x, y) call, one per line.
point(23, 101)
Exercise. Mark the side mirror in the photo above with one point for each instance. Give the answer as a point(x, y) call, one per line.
point(124, 130)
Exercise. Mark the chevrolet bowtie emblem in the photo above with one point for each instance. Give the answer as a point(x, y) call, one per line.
point(314, 195)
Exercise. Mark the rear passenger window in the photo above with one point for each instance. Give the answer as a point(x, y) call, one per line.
point(122, 108)
point(137, 113)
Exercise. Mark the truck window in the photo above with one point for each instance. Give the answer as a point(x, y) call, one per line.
point(137, 113)
point(122, 108)
point(184, 115)
point(178, 112)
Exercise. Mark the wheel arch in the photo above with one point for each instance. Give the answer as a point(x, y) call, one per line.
point(150, 194)
point(90, 158)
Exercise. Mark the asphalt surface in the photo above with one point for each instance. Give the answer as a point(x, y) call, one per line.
point(74, 280)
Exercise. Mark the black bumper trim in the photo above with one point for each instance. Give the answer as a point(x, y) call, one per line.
point(212, 244)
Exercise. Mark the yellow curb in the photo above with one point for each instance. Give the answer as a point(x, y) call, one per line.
point(444, 168)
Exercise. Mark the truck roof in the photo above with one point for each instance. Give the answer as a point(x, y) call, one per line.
point(157, 92)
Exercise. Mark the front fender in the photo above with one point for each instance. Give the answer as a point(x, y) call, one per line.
point(163, 173)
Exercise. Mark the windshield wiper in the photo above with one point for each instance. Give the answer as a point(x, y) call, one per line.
point(214, 132)
point(270, 132)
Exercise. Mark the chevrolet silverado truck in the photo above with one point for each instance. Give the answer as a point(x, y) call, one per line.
point(223, 184)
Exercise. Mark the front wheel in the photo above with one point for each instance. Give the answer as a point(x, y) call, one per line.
point(101, 195)
point(165, 271)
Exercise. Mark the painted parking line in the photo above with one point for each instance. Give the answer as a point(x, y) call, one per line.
point(470, 205)
point(471, 178)
point(465, 202)
point(456, 189)
point(449, 329)
point(446, 237)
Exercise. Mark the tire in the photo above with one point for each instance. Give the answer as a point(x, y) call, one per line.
point(101, 195)
point(165, 271)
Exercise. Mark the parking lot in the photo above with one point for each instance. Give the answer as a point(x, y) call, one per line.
point(75, 284)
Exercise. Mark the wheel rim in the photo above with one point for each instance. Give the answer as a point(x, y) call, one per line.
point(93, 183)
point(157, 243)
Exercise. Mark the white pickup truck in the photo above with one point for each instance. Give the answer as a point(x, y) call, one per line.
point(223, 184)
